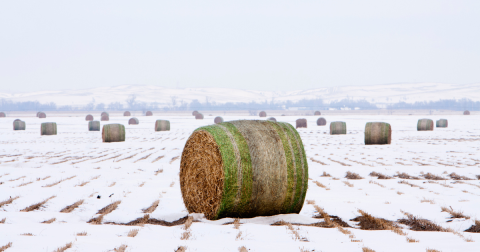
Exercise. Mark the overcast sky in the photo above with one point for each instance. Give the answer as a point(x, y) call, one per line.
point(267, 45)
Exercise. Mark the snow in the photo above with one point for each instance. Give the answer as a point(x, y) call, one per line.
point(25, 156)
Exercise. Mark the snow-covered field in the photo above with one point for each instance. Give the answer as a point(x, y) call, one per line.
point(76, 167)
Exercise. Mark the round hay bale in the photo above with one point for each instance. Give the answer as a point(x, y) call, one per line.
point(378, 133)
point(262, 114)
point(321, 121)
point(127, 113)
point(272, 119)
point(105, 118)
point(149, 113)
point(2, 114)
point(283, 115)
point(48, 128)
point(94, 126)
point(133, 120)
point(338, 128)
point(18, 125)
point(89, 118)
point(199, 116)
point(442, 123)
point(194, 113)
point(42, 115)
point(317, 113)
point(244, 169)
point(425, 125)
point(218, 120)
point(466, 112)
point(301, 123)
point(104, 113)
point(162, 125)
point(113, 133)
point(38, 113)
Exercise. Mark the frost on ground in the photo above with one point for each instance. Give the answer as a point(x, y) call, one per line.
point(71, 192)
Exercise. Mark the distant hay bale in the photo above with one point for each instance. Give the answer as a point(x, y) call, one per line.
point(133, 120)
point(113, 133)
point(466, 112)
point(378, 133)
point(18, 124)
point(94, 126)
point(199, 116)
point(89, 118)
point(244, 169)
point(162, 125)
point(317, 113)
point(301, 123)
point(42, 115)
point(218, 120)
point(262, 114)
point(338, 128)
point(38, 113)
point(442, 123)
point(48, 128)
point(2, 114)
point(127, 113)
point(272, 119)
point(105, 118)
point(104, 113)
point(149, 113)
point(321, 121)
point(194, 113)
point(283, 115)
point(424, 125)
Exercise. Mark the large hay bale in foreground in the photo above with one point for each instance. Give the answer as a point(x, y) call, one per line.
point(2, 114)
point(194, 113)
point(199, 116)
point(466, 112)
point(18, 124)
point(424, 125)
point(48, 128)
point(321, 121)
point(104, 113)
point(89, 118)
point(149, 113)
point(42, 115)
point(301, 123)
point(272, 119)
point(317, 113)
point(105, 118)
point(338, 128)
point(262, 114)
point(442, 123)
point(94, 126)
point(218, 120)
point(113, 133)
point(244, 168)
point(162, 125)
point(127, 113)
point(133, 120)
point(378, 133)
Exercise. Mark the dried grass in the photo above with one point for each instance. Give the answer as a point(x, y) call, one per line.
point(325, 174)
point(158, 171)
point(8, 201)
point(411, 240)
point(122, 248)
point(454, 214)
point(432, 250)
point(27, 234)
point(347, 183)
point(432, 176)
point(352, 175)
point(365, 249)
point(427, 200)
point(404, 175)
point(181, 249)
point(132, 233)
point(474, 228)
point(49, 221)
point(158, 158)
point(71, 207)
point(236, 223)
point(368, 222)
point(376, 183)
point(379, 175)
point(36, 206)
point(109, 208)
point(320, 185)
point(60, 181)
point(3, 248)
point(311, 202)
point(151, 208)
point(62, 249)
point(2, 221)
point(455, 176)
point(417, 224)
point(242, 249)
point(84, 233)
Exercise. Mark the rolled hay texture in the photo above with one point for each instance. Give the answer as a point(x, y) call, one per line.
point(133, 120)
point(338, 128)
point(301, 123)
point(149, 113)
point(466, 112)
point(105, 118)
point(89, 118)
point(244, 169)
point(113, 133)
point(48, 128)
point(2, 114)
point(94, 126)
point(199, 116)
point(162, 125)
point(127, 113)
point(321, 121)
point(272, 119)
point(378, 133)
point(317, 113)
point(424, 124)
point(18, 125)
point(42, 115)
point(442, 123)
point(194, 113)
point(218, 120)
point(104, 113)
point(262, 114)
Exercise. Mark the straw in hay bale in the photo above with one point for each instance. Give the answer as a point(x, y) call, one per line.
point(104, 113)
point(42, 115)
point(466, 112)
point(378, 133)
point(199, 116)
point(94, 126)
point(338, 128)
point(113, 133)
point(442, 123)
point(218, 119)
point(89, 118)
point(149, 113)
point(127, 113)
point(244, 169)
point(301, 123)
point(105, 118)
point(133, 120)
point(272, 119)
point(2, 114)
point(48, 128)
point(317, 113)
point(425, 125)
point(194, 113)
point(262, 114)
point(321, 121)
point(162, 125)
point(18, 124)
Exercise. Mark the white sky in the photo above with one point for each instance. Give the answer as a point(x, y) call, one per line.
point(266, 45)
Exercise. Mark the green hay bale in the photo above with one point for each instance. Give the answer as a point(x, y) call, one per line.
point(424, 125)
point(272, 119)
point(105, 118)
point(127, 113)
point(338, 128)
point(244, 169)
point(321, 121)
point(301, 123)
point(466, 112)
point(113, 133)
point(48, 128)
point(2, 114)
point(378, 133)
point(149, 113)
point(262, 114)
point(162, 125)
point(89, 118)
point(442, 123)
point(317, 113)
point(218, 120)
point(133, 121)
point(94, 126)
point(18, 125)
point(199, 116)
point(104, 113)
point(42, 115)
